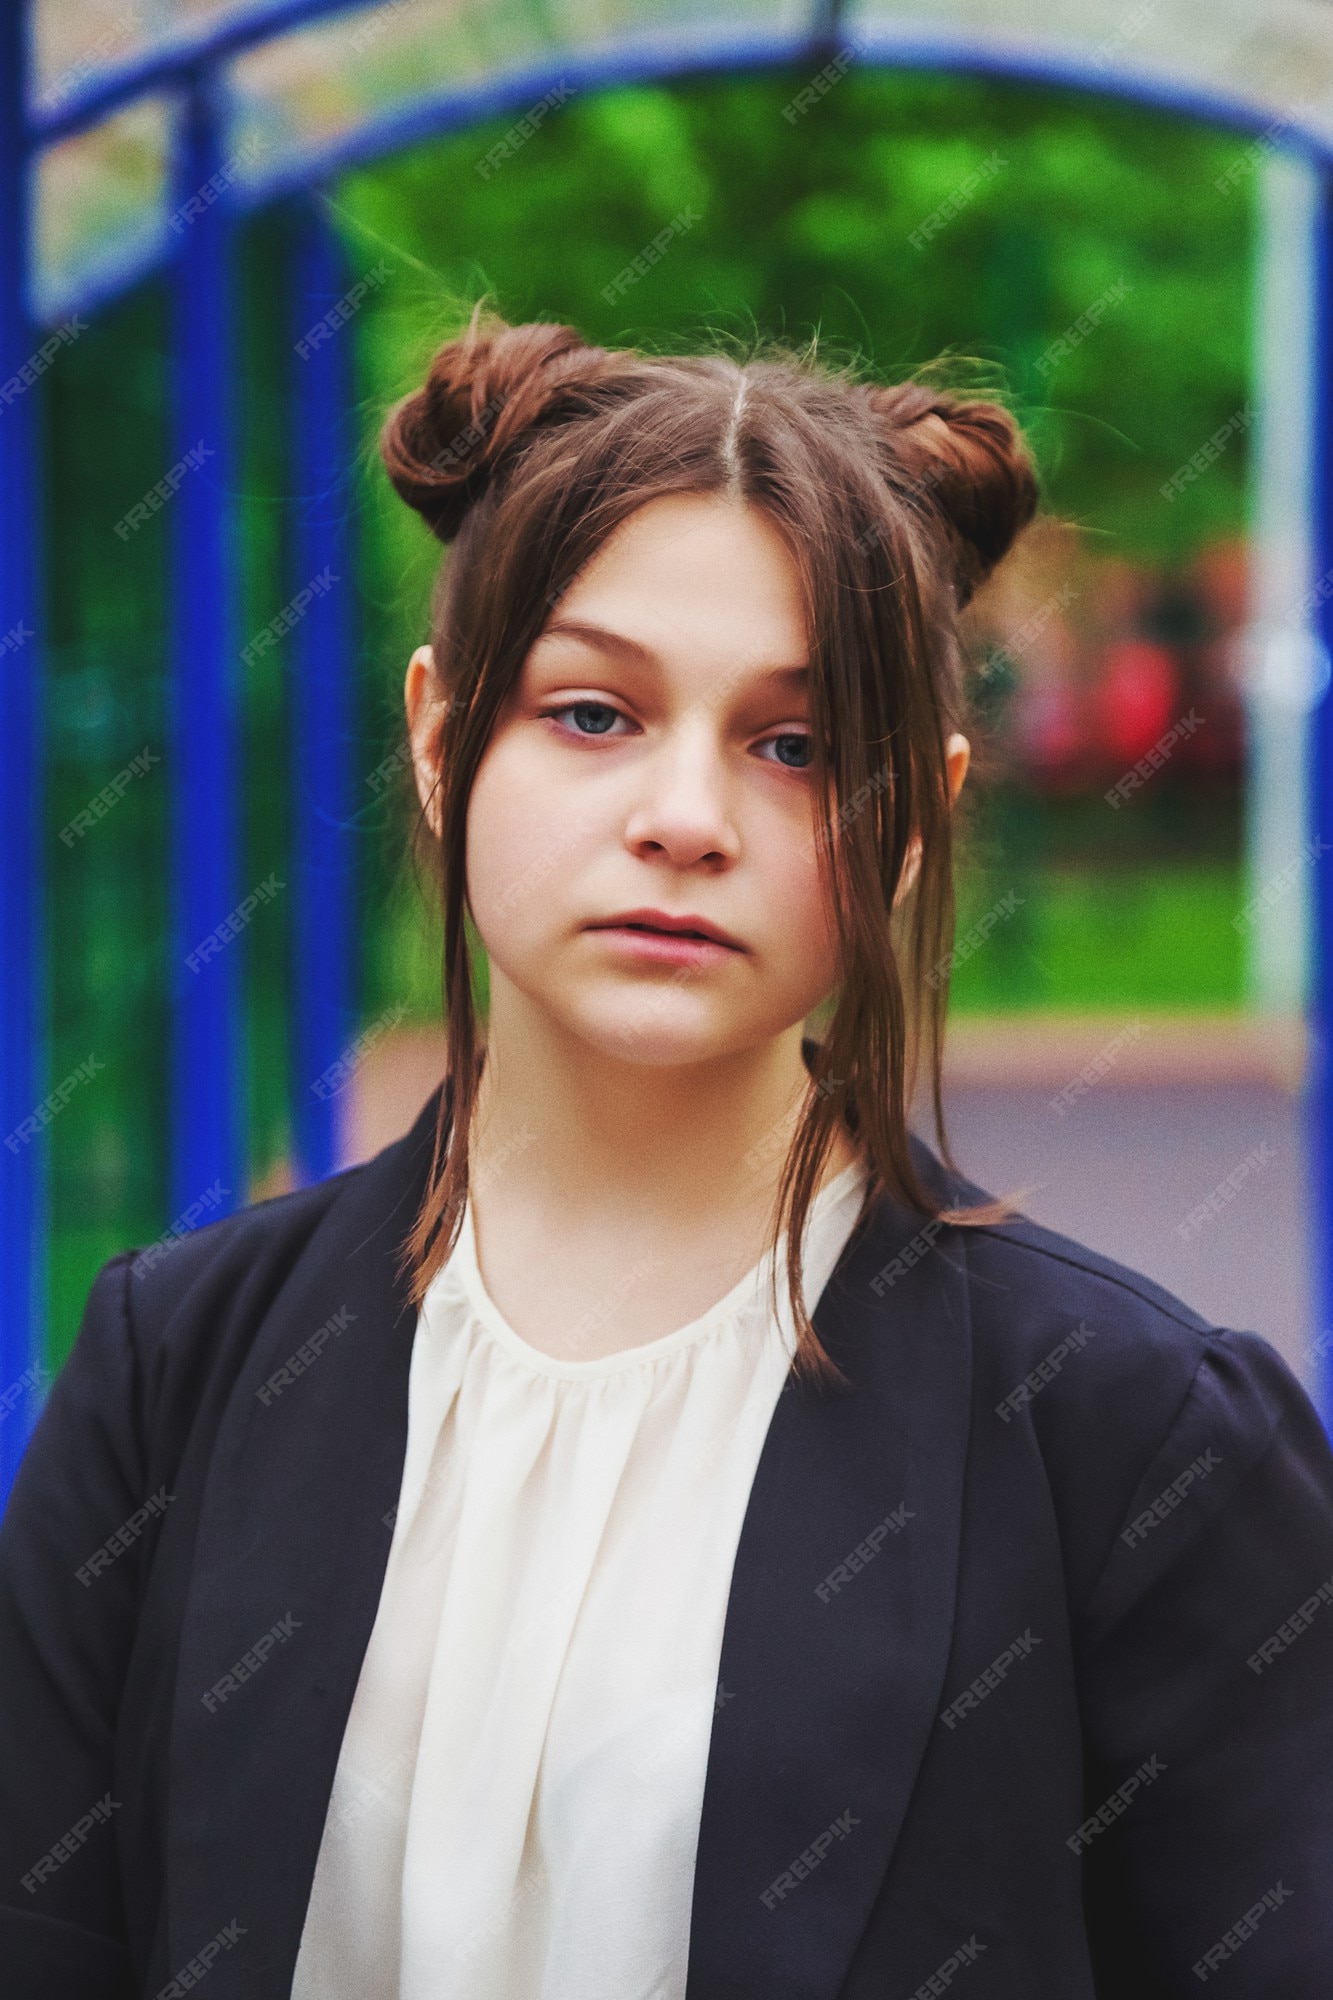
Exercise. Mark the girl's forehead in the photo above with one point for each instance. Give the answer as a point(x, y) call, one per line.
point(689, 571)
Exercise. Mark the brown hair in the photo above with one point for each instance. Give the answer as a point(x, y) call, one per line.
point(525, 449)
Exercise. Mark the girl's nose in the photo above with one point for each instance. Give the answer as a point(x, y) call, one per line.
point(682, 805)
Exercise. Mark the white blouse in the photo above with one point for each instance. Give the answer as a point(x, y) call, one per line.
point(516, 1806)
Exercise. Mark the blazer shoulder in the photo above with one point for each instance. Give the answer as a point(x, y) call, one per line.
point(1023, 1258)
point(164, 1269)
point(1080, 1344)
point(1027, 1281)
point(1121, 1387)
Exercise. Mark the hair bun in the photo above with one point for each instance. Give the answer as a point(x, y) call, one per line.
point(486, 387)
point(968, 459)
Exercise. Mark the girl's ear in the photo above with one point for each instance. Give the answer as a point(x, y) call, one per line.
point(425, 713)
point(957, 755)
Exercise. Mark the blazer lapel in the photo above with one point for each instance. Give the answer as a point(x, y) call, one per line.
point(293, 1541)
point(838, 1625)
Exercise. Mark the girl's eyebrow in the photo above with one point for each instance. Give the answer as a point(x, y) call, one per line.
point(607, 641)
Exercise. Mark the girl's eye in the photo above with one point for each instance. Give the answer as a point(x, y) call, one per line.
point(794, 749)
point(594, 718)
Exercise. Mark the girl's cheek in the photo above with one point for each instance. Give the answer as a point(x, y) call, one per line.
point(526, 846)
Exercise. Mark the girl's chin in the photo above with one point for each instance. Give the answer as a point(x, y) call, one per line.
point(639, 1032)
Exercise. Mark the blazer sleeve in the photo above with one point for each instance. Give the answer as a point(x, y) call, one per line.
point(65, 1637)
point(1206, 1677)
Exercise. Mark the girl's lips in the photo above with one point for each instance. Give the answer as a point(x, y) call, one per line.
point(664, 947)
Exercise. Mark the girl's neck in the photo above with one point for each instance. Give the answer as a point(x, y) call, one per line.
point(565, 1129)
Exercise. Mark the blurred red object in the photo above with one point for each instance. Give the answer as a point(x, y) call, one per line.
point(1136, 699)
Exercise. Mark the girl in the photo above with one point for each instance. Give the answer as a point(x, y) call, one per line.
point(657, 1532)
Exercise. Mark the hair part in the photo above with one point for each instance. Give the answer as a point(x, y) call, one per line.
point(523, 451)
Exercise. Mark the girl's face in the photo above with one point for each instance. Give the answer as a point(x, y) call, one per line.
point(652, 760)
point(652, 763)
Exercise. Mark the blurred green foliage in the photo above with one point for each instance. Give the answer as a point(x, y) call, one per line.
point(804, 231)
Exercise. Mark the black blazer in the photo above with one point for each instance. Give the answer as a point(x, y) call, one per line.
point(1025, 1682)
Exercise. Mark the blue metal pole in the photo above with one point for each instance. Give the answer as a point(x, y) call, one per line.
point(1320, 1078)
point(23, 1157)
point(322, 708)
point(208, 911)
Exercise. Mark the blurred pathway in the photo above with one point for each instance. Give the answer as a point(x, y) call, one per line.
point(1182, 1154)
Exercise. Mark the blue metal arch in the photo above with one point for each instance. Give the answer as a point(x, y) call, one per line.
point(636, 59)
